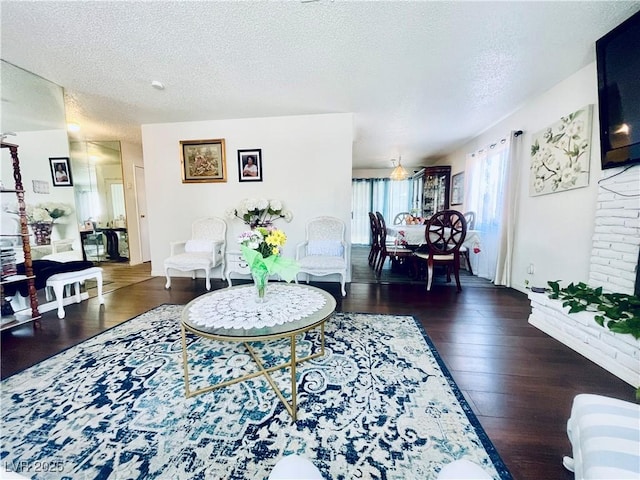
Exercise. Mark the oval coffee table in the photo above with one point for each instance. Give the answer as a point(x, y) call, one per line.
point(235, 315)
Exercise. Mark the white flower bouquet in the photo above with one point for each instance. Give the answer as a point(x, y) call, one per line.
point(259, 212)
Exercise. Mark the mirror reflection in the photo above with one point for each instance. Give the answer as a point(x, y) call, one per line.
point(99, 199)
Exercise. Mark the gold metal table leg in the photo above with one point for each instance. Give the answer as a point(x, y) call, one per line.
point(292, 407)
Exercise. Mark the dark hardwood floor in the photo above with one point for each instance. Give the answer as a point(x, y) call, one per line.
point(519, 381)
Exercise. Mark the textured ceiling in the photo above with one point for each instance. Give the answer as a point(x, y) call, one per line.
point(420, 77)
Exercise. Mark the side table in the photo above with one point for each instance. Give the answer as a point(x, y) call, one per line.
point(235, 263)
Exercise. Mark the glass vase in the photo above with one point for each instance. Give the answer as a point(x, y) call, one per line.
point(260, 280)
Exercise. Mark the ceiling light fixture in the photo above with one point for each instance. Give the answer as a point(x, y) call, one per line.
point(157, 85)
point(398, 173)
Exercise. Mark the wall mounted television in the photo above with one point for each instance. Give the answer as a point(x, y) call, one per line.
point(618, 65)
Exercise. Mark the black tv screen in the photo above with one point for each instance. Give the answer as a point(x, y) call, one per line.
point(618, 64)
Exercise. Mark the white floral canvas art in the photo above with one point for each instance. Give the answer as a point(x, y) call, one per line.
point(561, 154)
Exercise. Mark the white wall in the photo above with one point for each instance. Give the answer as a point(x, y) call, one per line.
point(553, 231)
point(34, 150)
point(306, 164)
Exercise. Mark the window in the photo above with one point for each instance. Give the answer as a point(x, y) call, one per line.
point(377, 195)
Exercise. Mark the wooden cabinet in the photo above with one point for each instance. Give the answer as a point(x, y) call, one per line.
point(12, 320)
point(435, 192)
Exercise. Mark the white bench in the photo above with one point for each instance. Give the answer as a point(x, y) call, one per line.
point(60, 280)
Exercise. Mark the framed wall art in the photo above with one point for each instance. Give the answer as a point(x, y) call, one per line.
point(561, 154)
point(250, 165)
point(61, 171)
point(203, 161)
point(457, 189)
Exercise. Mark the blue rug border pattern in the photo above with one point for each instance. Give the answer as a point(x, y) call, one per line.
point(488, 445)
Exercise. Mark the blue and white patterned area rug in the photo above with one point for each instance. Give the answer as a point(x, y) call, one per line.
point(379, 405)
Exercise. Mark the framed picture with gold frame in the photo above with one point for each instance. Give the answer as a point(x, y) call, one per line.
point(203, 161)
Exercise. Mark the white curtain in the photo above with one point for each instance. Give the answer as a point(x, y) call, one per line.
point(360, 208)
point(383, 195)
point(509, 211)
point(493, 175)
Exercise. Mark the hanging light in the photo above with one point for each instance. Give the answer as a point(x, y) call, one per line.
point(398, 173)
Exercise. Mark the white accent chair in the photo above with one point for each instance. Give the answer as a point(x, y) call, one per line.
point(204, 251)
point(325, 250)
point(605, 438)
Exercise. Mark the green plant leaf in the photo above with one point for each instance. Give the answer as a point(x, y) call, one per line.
point(618, 312)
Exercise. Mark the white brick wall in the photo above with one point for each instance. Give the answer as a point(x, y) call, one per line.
point(616, 239)
point(613, 266)
point(617, 353)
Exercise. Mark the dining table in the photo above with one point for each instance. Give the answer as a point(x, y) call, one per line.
point(414, 236)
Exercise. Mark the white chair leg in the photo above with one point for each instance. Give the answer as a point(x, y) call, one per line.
point(168, 284)
point(342, 281)
point(76, 288)
point(58, 290)
point(99, 284)
point(207, 281)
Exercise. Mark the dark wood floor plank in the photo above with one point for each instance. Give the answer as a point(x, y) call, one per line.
point(519, 381)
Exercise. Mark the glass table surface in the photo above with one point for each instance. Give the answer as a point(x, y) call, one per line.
point(242, 294)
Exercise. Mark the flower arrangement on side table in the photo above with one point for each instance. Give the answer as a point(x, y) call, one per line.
point(259, 212)
point(48, 212)
point(262, 248)
point(42, 216)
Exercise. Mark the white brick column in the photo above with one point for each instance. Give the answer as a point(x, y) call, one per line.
point(616, 239)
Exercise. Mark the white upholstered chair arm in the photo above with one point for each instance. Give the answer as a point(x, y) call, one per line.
point(218, 251)
point(346, 252)
point(301, 250)
point(177, 247)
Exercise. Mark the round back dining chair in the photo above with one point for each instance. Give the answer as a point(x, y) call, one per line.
point(444, 235)
point(396, 252)
point(401, 218)
point(470, 217)
point(375, 239)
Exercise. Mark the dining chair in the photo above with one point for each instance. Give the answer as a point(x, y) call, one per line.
point(445, 233)
point(393, 250)
point(470, 218)
point(401, 218)
point(204, 251)
point(375, 239)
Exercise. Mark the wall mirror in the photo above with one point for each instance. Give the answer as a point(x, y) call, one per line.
point(99, 197)
point(34, 109)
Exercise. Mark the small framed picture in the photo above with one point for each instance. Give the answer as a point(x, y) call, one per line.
point(61, 171)
point(250, 165)
point(203, 161)
point(457, 189)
